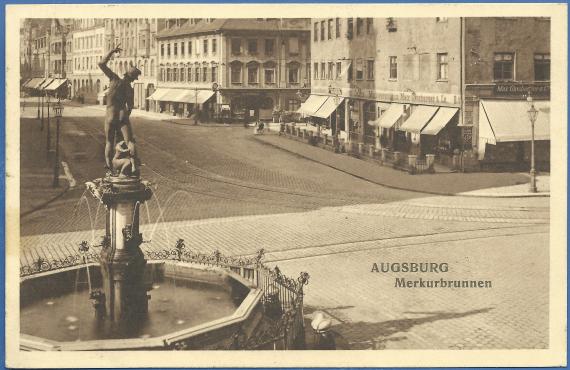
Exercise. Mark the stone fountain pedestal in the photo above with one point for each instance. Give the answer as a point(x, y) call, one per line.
point(124, 293)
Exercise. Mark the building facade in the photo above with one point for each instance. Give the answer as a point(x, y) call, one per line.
point(236, 68)
point(88, 39)
point(137, 38)
point(412, 85)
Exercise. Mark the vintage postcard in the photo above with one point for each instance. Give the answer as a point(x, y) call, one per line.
point(286, 185)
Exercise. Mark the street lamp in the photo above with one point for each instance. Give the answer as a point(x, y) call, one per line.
point(532, 115)
point(58, 111)
point(48, 145)
point(336, 98)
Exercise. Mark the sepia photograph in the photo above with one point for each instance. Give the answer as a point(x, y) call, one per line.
point(332, 178)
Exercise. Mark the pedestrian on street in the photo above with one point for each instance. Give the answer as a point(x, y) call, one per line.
point(120, 102)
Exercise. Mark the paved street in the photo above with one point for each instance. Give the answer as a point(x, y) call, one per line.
point(220, 188)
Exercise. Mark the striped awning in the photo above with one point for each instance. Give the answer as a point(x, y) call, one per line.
point(439, 121)
point(55, 84)
point(419, 118)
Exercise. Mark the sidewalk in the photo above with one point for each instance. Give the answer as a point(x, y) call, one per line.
point(36, 172)
point(479, 184)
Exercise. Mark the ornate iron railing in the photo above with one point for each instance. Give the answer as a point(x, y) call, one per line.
point(282, 298)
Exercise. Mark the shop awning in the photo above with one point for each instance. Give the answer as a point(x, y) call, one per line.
point(419, 118)
point(45, 83)
point(328, 107)
point(33, 82)
point(312, 104)
point(55, 84)
point(189, 96)
point(438, 122)
point(507, 121)
point(158, 94)
point(390, 117)
point(26, 82)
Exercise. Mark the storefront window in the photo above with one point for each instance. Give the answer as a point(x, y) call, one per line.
point(503, 67)
point(542, 67)
point(293, 105)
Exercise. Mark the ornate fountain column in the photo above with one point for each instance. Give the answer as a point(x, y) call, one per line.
point(124, 293)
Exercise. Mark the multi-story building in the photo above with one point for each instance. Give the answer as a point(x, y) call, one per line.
point(137, 38)
point(88, 39)
point(413, 84)
point(246, 68)
point(26, 50)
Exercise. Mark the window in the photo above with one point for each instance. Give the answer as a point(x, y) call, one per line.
point(442, 66)
point(330, 31)
point(162, 50)
point(293, 46)
point(323, 71)
point(205, 42)
point(269, 73)
point(175, 49)
point(182, 49)
point(337, 28)
point(152, 68)
point(349, 72)
point(168, 50)
point(252, 46)
point(316, 69)
point(316, 32)
point(189, 74)
point(307, 74)
point(175, 74)
point(197, 73)
point(214, 46)
point(293, 73)
point(369, 23)
point(542, 67)
point(269, 46)
point(214, 72)
point(338, 69)
point(252, 73)
point(370, 70)
point(168, 74)
point(349, 28)
point(182, 75)
point(330, 70)
point(189, 48)
point(294, 105)
point(359, 70)
point(236, 46)
point(393, 68)
point(236, 73)
point(503, 67)
point(322, 30)
point(440, 19)
point(359, 26)
point(204, 74)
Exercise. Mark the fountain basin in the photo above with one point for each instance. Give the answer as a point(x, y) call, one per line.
point(191, 306)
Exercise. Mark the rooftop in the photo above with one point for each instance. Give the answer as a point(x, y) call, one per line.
point(243, 24)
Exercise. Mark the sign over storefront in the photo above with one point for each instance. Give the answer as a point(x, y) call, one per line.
point(522, 89)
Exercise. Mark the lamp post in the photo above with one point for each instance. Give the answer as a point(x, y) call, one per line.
point(39, 102)
point(196, 106)
point(336, 98)
point(58, 110)
point(532, 115)
point(48, 145)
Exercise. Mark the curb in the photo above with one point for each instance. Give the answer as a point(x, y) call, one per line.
point(46, 203)
point(466, 194)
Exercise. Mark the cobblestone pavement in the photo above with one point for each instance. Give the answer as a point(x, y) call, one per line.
point(218, 189)
point(369, 312)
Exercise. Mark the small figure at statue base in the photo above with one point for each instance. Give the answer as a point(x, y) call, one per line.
point(124, 163)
